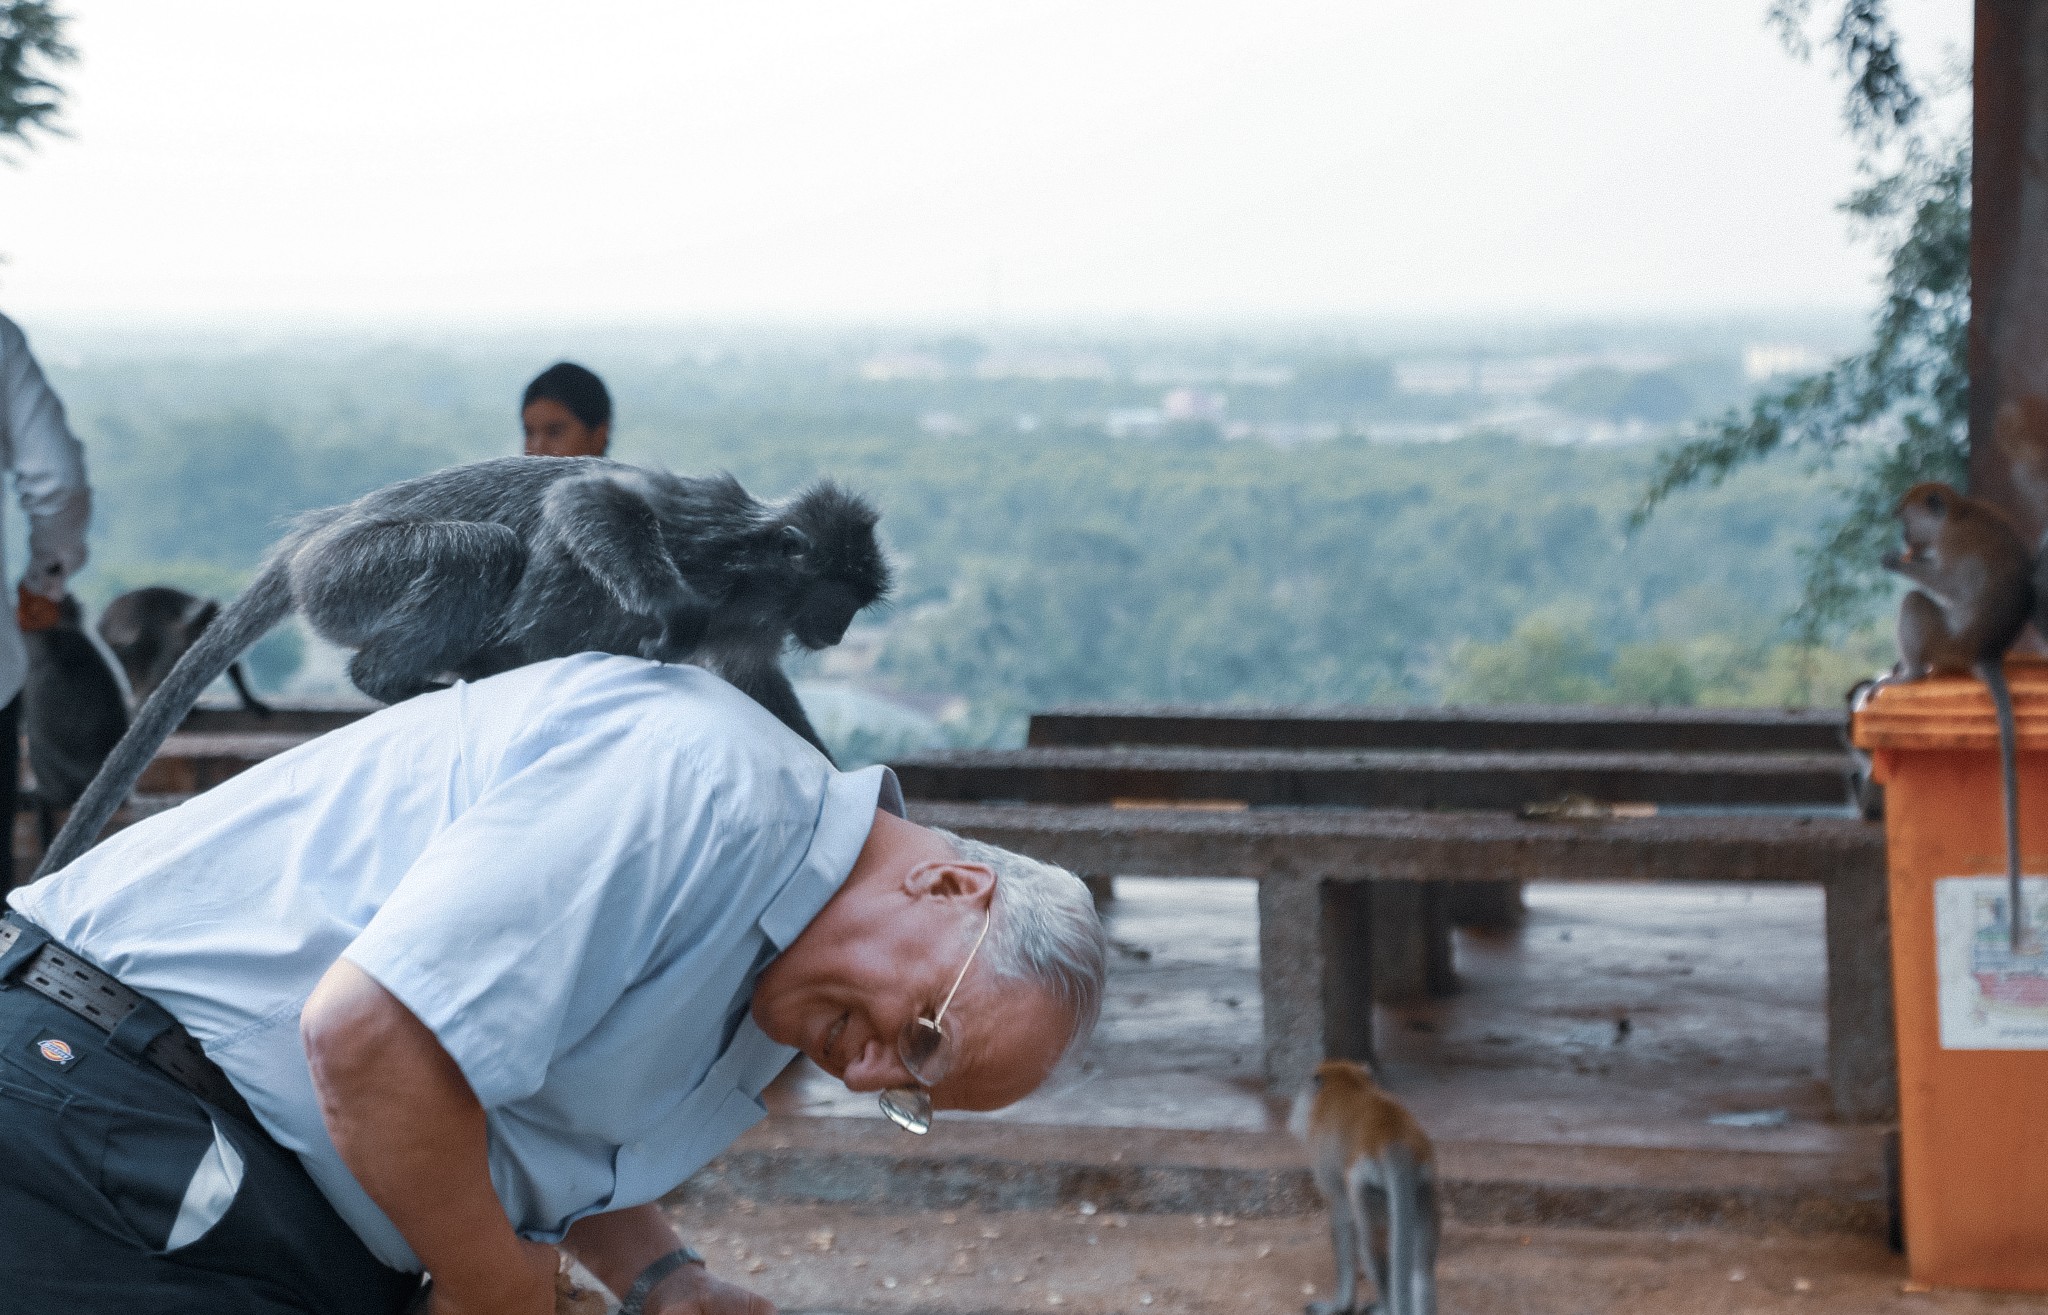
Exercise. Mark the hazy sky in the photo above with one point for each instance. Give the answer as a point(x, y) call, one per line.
point(656, 160)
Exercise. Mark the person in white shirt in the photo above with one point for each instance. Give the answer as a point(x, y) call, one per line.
point(49, 477)
point(490, 970)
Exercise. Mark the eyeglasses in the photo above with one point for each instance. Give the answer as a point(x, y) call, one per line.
point(927, 1051)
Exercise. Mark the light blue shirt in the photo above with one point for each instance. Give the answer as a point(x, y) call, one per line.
point(572, 873)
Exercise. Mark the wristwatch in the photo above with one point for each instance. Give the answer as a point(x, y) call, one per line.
point(661, 1268)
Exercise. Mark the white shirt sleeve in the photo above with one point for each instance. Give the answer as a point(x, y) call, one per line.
point(524, 921)
point(48, 465)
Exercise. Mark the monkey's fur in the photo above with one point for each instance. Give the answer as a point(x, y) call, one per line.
point(149, 629)
point(73, 712)
point(1975, 594)
point(1376, 1170)
point(485, 567)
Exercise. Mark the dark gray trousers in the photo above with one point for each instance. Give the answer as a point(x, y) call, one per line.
point(122, 1191)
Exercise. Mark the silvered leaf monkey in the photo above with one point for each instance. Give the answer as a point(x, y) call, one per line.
point(1975, 594)
point(1376, 1170)
point(481, 568)
point(73, 710)
point(149, 629)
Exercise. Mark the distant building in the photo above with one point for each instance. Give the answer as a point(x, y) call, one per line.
point(1768, 360)
point(1044, 366)
point(1193, 404)
point(898, 367)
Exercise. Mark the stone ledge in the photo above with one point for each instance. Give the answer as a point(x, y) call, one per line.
point(992, 1165)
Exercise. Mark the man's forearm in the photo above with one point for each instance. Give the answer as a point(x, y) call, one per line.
point(411, 1131)
point(619, 1245)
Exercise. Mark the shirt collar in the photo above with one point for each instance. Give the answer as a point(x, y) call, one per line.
point(845, 819)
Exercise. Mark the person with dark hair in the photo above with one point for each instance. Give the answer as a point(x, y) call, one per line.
point(566, 412)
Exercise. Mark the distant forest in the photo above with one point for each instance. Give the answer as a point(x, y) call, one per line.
point(1040, 561)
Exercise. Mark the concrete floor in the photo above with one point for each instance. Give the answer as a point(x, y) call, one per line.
point(1722, 989)
point(1723, 1052)
point(818, 1259)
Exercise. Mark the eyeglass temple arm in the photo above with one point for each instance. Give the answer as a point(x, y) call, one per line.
point(948, 1002)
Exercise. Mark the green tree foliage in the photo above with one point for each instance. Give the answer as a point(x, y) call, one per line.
point(1558, 655)
point(1896, 412)
point(1601, 392)
point(32, 45)
point(1343, 385)
point(1036, 568)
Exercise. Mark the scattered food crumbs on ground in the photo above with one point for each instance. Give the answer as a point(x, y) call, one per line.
point(1157, 1262)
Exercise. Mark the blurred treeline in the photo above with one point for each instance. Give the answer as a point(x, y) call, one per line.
point(1050, 563)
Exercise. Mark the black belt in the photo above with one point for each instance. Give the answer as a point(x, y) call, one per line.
point(135, 1024)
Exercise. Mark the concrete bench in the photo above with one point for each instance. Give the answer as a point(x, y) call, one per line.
point(1526, 729)
point(287, 716)
point(1413, 933)
point(1482, 905)
point(1375, 778)
point(191, 761)
point(1314, 867)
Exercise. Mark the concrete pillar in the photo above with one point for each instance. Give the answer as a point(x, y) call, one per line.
point(1485, 905)
point(1315, 975)
point(1862, 1060)
point(1411, 942)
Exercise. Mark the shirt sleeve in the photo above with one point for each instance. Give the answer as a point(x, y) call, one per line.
point(527, 918)
point(48, 464)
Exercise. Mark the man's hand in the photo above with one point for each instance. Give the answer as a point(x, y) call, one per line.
point(619, 1246)
point(692, 1290)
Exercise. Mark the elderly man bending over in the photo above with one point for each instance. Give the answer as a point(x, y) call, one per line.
point(491, 969)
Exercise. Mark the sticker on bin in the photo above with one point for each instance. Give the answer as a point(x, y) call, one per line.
point(1992, 998)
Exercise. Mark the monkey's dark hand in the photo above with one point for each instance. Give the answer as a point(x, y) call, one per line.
point(682, 629)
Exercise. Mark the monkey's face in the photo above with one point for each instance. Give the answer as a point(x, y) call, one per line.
point(1922, 513)
point(829, 551)
point(828, 608)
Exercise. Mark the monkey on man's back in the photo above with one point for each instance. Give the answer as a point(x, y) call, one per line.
point(1376, 1171)
point(482, 568)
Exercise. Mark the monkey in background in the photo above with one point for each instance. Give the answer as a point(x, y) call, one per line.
point(482, 568)
point(1975, 594)
point(1376, 1170)
point(149, 629)
point(73, 709)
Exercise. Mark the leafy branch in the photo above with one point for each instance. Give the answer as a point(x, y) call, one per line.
point(1896, 412)
point(32, 45)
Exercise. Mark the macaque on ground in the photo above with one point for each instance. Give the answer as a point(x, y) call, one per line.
point(1376, 1170)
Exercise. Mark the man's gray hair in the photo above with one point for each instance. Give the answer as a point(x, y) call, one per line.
point(1044, 932)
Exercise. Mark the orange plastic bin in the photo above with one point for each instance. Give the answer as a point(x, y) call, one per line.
point(1972, 1017)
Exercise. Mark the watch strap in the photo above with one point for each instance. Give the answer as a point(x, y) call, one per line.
point(656, 1271)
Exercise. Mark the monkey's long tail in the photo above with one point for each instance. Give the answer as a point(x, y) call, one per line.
point(1993, 675)
point(266, 601)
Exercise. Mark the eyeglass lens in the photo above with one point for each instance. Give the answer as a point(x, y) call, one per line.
point(909, 1108)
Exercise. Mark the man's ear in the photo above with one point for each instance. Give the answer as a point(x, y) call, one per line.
point(951, 878)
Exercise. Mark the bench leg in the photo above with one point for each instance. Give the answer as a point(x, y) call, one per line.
point(1315, 975)
point(1411, 942)
point(1486, 905)
point(1103, 889)
point(1862, 1061)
